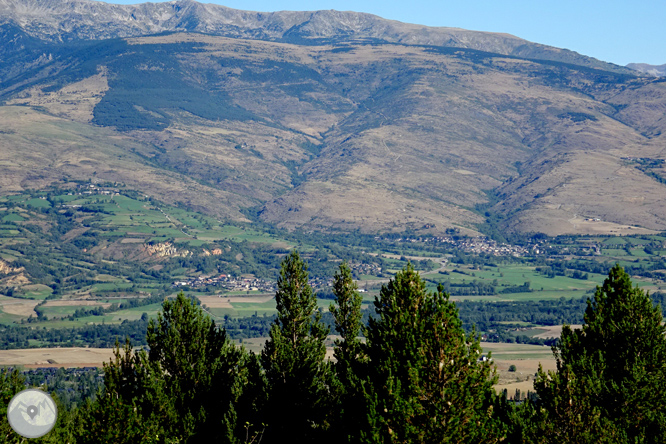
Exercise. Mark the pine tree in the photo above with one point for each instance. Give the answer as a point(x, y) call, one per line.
point(120, 413)
point(347, 316)
point(610, 383)
point(11, 382)
point(425, 382)
point(184, 390)
point(348, 354)
point(298, 376)
point(63, 431)
point(203, 372)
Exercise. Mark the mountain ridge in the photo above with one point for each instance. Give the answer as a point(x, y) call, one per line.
point(54, 20)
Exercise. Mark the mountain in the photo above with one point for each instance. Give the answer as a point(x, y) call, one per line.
point(58, 20)
point(328, 120)
point(653, 70)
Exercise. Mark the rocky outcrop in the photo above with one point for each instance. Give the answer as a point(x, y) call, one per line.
point(166, 249)
point(5, 268)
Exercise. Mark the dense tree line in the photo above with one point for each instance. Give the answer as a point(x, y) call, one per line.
point(98, 335)
point(72, 386)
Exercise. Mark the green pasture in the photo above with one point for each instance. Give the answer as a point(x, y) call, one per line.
point(62, 311)
point(243, 309)
point(542, 287)
point(637, 241)
point(111, 286)
point(116, 317)
point(639, 252)
point(249, 308)
point(108, 278)
point(543, 295)
point(135, 313)
point(485, 298)
point(37, 291)
point(7, 256)
point(530, 332)
point(614, 241)
point(614, 252)
point(13, 217)
point(38, 203)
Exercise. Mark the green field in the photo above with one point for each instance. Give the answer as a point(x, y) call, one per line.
point(38, 203)
point(507, 276)
point(8, 318)
point(122, 215)
point(242, 309)
point(37, 291)
point(517, 351)
point(13, 217)
point(116, 317)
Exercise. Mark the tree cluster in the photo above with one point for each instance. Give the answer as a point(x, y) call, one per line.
point(417, 377)
point(610, 377)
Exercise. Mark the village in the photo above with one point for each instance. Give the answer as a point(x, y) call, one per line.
point(228, 283)
point(478, 245)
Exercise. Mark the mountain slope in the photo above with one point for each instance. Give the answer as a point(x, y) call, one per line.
point(342, 135)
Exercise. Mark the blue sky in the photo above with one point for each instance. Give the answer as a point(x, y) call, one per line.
point(617, 31)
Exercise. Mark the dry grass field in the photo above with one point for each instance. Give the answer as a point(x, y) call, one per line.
point(554, 331)
point(228, 301)
point(526, 358)
point(75, 101)
point(20, 307)
point(56, 357)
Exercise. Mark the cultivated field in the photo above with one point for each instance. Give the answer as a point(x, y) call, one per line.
point(56, 357)
point(554, 331)
point(19, 307)
point(76, 303)
point(526, 358)
point(229, 301)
